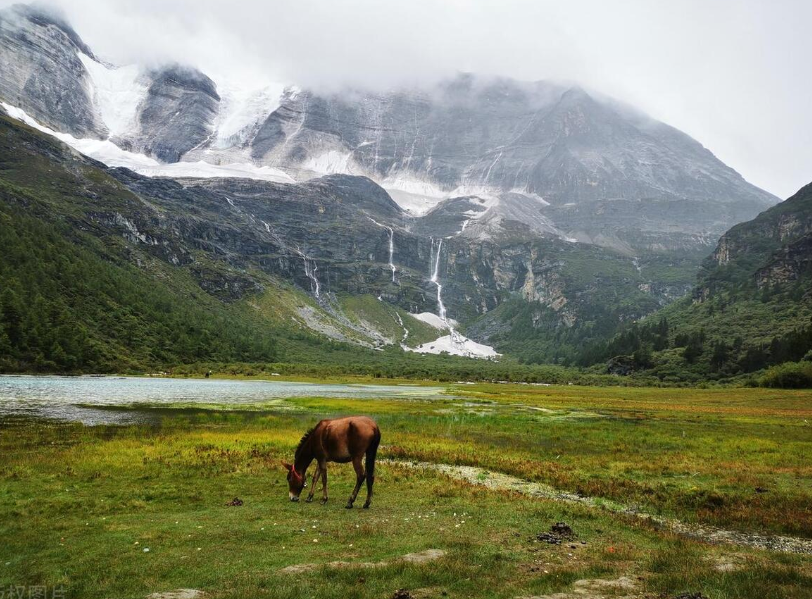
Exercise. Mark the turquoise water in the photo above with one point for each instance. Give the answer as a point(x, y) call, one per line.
point(75, 398)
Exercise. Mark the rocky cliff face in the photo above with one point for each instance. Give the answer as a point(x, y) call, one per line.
point(789, 264)
point(40, 71)
point(48, 71)
point(176, 115)
point(772, 249)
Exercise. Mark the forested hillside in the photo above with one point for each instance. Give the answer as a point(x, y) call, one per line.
point(751, 307)
point(70, 302)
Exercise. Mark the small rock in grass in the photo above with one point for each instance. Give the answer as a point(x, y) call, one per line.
point(179, 594)
point(236, 502)
point(401, 594)
point(559, 532)
point(562, 529)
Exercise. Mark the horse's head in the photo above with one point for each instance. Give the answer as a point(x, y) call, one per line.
point(296, 481)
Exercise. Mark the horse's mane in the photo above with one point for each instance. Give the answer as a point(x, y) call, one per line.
point(303, 440)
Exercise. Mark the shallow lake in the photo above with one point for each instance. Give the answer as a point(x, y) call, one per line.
point(76, 398)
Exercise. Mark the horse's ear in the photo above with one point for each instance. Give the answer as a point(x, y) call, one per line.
point(287, 466)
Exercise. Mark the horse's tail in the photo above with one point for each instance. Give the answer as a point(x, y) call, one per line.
point(372, 451)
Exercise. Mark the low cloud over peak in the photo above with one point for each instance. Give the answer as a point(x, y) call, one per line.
point(726, 72)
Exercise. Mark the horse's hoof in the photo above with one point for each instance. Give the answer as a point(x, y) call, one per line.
point(308, 500)
point(348, 506)
point(366, 506)
point(323, 501)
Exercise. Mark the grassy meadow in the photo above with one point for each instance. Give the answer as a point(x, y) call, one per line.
point(126, 511)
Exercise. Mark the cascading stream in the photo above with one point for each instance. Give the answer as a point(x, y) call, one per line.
point(310, 268)
point(391, 246)
point(435, 278)
point(405, 330)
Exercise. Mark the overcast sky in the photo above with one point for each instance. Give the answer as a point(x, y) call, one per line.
point(734, 74)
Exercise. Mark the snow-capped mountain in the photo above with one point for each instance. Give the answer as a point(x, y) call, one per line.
point(487, 202)
point(530, 159)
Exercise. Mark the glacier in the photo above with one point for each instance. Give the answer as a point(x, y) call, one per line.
point(107, 152)
point(242, 111)
point(116, 93)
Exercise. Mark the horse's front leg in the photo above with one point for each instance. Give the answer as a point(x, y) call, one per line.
point(323, 469)
point(316, 475)
point(359, 480)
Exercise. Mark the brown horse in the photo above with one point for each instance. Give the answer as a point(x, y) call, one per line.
point(340, 440)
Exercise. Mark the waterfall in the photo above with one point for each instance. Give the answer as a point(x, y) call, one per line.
point(392, 252)
point(310, 268)
point(487, 174)
point(454, 342)
point(391, 246)
point(434, 279)
point(405, 330)
point(456, 338)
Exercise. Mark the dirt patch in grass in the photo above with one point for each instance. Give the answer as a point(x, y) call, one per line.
point(179, 594)
point(728, 562)
point(598, 588)
point(421, 557)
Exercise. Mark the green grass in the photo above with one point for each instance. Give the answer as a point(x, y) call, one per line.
point(78, 505)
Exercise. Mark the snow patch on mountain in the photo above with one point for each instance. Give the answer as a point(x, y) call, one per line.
point(414, 195)
point(331, 162)
point(419, 196)
point(116, 93)
point(456, 345)
point(414, 205)
point(432, 319)
point(414, 186)
point(107, 152)
point(206, 170)
point(242, 111)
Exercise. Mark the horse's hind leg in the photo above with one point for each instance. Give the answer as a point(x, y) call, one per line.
point(323, 469)
point(359, 480)
point(372, 452)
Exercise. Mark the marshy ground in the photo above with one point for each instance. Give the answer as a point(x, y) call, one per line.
point(467, 492)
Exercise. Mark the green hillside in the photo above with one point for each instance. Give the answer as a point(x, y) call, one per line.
point(751, 307)
point(69, 303)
